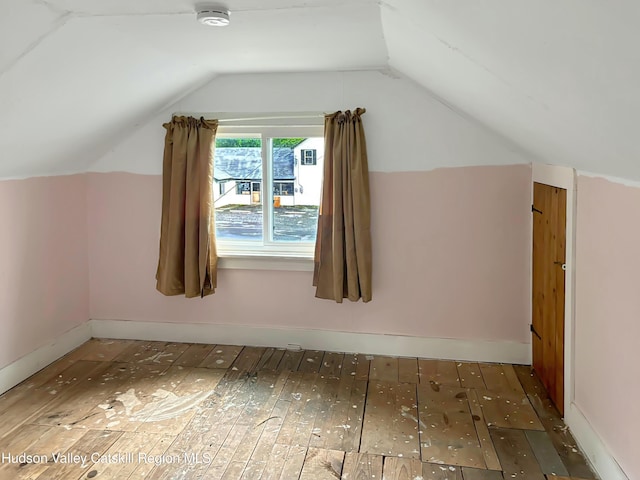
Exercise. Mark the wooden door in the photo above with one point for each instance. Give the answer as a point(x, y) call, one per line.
point(549, 248)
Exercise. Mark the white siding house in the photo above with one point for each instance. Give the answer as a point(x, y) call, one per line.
point(309, 163)
point(297, 175)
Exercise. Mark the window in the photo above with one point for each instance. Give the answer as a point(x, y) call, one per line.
point(246, 188)
point(308, 157)
point(243, 188)
point(282, 189)
point(273, 209)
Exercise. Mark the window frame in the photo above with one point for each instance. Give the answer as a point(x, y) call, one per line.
point(268, 254)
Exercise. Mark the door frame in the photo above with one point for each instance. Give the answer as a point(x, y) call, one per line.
point(561, 177)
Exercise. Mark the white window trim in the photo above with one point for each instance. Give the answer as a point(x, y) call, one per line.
point(295, 256)
point(253, 262)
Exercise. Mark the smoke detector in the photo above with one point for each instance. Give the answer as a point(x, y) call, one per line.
point(213, 15)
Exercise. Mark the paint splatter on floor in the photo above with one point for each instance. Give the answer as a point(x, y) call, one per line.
point(167, 405)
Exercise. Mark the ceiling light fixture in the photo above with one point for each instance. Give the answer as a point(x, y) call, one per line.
point(213, 15)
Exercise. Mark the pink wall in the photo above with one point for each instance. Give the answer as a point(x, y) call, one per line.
point(608, 315)
point(44, 286)
point(451, 260)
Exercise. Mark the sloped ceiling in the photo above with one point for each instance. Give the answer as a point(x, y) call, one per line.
point(561, 79)
point(79, 72)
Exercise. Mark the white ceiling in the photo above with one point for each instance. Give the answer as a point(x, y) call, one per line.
point(561, 79)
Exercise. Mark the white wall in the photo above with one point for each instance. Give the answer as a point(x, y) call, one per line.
point(407, 128)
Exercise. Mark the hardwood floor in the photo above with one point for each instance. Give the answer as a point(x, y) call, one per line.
point(157, 410)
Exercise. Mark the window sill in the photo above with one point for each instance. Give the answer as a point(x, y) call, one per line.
point(230, 261)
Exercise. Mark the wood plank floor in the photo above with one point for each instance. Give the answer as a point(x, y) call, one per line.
point(116, 409)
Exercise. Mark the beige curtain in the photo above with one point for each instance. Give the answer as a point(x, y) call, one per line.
point(188, 260)
point(343, 245)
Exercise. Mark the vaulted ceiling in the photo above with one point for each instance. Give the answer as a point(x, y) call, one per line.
point(561, 79)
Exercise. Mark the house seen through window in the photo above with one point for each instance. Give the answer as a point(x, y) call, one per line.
point(266, 193)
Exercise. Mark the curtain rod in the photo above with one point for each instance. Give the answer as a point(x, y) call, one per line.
point(284, 117)
point(249, 119)
point(308, 125)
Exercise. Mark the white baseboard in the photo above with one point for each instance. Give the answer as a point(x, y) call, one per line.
point(375, 344)
point(23, 368)
point(602, 462)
